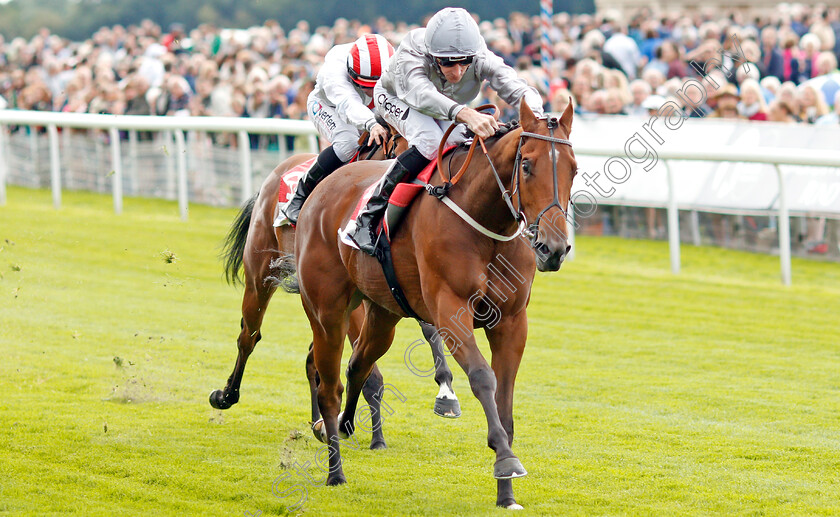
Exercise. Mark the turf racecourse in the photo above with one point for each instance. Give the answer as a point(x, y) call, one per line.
point(716, 391)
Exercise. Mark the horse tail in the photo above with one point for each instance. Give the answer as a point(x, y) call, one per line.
point(284, 273)
point(233, 247)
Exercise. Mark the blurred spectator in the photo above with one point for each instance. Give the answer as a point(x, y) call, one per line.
point(727, 102)
point(811, 104)
point(639, 91)
point(174, 98)
point(832, 118)
point(752, 106)
point(780, 111)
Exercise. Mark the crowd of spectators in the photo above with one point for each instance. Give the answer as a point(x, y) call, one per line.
point(780, 67)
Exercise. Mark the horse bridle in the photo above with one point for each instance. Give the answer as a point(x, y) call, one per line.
point(533, 229)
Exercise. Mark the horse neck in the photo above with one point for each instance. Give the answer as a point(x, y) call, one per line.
point(481, 197)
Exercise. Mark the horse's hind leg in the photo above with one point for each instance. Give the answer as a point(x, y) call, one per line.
point(314, 380)
point(375, 339)
point(254, 302)
point(446, 402)
point(372, 389)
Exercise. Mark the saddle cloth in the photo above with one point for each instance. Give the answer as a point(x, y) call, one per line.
point(288, 185)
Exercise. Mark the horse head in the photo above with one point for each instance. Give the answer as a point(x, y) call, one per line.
point(543, 172)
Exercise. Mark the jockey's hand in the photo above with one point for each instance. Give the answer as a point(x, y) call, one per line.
point(481, 124)
point(378, 134)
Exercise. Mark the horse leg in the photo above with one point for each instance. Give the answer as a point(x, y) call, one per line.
point(328, 342)
point(372, 389)
point(374, 340)
point(483, 383)
point(254, 303)
point(314, 380)
point(446, 402)
point(507, 343)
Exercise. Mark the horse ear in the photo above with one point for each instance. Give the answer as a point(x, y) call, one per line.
point(566, 118)
point(526, 117)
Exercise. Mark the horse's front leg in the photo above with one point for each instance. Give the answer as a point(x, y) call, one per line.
point(507, 343)
point(482, 379)
point(446, 402)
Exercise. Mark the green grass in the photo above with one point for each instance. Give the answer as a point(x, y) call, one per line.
point(715, 391)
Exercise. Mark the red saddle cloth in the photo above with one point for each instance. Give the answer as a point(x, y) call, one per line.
point(291, 178)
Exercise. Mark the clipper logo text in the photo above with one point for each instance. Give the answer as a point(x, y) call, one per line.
point(388, 106)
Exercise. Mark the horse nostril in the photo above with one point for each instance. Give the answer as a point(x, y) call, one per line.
point(568, 249)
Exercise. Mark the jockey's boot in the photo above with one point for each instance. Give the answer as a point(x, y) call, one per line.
point(324, 165)
point(405, 168)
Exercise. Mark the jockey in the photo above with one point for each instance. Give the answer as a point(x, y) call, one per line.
point(435, 71)
point(340, 107)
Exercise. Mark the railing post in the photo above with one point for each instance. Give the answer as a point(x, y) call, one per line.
point(673, 221)
point(116, 163)
point(181, 152)
point(4, 164)
point(132, 160)
point(55, 166)
point(784, 228)
point(695, 228)
point(245, 165)
point(170, 187)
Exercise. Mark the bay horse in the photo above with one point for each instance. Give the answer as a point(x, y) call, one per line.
point(454, 276)
point(256, 246)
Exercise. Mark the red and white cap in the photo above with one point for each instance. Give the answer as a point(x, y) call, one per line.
point(368, 56)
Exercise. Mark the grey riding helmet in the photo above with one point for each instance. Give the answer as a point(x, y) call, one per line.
point(452, 32)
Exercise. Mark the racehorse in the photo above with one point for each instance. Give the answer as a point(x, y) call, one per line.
point(255, 245)
point(454, 275)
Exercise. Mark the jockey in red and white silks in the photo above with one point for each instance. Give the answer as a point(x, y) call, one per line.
point(340, 107)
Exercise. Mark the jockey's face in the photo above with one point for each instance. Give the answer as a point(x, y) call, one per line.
point(454, 73)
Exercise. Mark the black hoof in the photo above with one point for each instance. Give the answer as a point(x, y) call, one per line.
point(336, 480)
point(219, 401)
point(376, 445)
point(447, 408)
point(508, 468)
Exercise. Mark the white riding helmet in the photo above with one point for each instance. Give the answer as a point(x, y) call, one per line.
point(452, 32)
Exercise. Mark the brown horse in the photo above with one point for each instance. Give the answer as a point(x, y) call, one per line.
point(255, 245)
point(453, 275)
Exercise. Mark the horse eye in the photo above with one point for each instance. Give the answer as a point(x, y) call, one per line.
point(526, 167)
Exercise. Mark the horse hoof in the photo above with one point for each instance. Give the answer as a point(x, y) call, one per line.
point(508, 468)
point(336, 480)
point(219, 401)
point(515, 506)
point(378, 445)
point(447, 408)
point(320, 431)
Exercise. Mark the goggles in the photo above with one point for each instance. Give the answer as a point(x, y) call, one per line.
point(452, 61)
